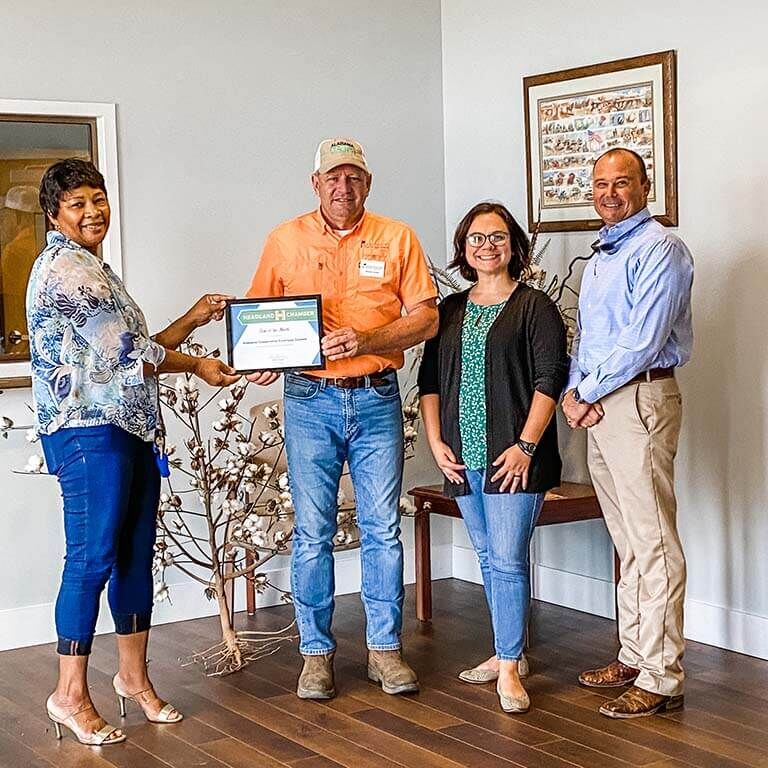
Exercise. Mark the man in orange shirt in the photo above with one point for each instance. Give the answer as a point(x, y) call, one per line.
point(368, 269)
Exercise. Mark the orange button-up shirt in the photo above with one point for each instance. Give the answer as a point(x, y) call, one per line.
point(304, 255)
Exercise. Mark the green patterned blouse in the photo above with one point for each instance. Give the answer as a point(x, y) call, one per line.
point(477, 321)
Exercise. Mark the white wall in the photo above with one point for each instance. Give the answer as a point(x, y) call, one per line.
point(220, 108)
point(722, 81)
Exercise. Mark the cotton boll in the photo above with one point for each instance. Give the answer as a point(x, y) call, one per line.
point(34, 464)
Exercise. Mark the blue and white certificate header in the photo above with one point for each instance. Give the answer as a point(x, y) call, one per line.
point(275, 333)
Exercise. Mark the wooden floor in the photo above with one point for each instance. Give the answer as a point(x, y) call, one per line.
point(253, 718)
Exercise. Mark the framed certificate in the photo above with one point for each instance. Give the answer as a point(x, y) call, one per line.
point(275, 334)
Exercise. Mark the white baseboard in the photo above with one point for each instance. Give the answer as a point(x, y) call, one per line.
point(33, 625)
point(465, 565)
point(573, 590)
point(705, 623)
point(548, 584)
point(727, 628)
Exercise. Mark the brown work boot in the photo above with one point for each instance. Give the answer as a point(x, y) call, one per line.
point(389, 669)
point(614, 675)
point(637, 702)
point(316, 678)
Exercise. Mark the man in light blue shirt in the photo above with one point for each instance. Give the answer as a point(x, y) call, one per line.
point(634, 330)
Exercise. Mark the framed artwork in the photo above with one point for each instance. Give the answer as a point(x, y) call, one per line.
point(573, 116)
point(34, 135)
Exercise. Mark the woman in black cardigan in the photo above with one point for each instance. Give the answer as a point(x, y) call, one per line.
point(489, 383)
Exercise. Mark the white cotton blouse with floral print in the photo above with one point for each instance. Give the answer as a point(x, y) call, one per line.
point(88, 344)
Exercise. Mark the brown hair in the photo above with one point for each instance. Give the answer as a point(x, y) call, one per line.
point(518, 240)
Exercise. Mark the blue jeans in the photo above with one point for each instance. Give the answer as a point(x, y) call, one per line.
point(324, 427)
point(500, 526)
point(110, 486)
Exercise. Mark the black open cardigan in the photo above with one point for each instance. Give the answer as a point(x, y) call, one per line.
point(525, 352)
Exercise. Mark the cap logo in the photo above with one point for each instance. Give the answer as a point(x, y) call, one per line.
point(342, 147)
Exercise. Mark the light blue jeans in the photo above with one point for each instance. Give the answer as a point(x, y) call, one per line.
point(500, 526)
point(324, 426)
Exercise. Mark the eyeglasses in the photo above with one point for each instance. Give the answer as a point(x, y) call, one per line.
point(477, 239)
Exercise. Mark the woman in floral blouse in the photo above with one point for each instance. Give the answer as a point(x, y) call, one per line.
point(94, 369)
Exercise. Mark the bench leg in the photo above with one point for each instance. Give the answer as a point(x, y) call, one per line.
point(250, 590)
point(423, 562)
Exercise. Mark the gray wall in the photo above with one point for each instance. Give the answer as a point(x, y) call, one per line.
point(220, 108)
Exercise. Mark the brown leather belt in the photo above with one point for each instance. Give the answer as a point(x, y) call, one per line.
point(355, 382)
point(654, 374)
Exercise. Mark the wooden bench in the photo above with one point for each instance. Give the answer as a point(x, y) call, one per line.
point(568, 503)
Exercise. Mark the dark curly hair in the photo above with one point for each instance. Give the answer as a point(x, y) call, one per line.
point(518, 240)
point(65, 176)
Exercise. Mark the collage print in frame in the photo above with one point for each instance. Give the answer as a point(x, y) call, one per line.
point(575, 115)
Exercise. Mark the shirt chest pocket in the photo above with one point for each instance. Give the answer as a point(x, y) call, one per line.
point(309, 276)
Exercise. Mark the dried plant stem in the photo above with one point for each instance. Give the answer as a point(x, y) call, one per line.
point(226, 657)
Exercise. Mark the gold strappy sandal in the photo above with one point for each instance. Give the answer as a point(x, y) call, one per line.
point(167, 714)
point(103, 737)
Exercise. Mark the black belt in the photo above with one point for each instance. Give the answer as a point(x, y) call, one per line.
point(653, 374)
point(355, 382)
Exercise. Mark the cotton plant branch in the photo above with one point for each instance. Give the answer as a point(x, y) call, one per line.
point(244, 513)
point(218, 461)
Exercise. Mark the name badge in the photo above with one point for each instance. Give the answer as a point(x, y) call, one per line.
point(371, 268)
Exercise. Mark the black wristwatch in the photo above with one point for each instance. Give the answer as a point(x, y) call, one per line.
point(577, 398)
point(527, 448)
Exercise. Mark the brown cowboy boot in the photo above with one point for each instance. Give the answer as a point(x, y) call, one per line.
point(614, 675)
point(316, 678)
point(637, 702)
point(389, 669)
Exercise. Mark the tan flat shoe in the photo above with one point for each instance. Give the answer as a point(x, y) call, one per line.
point(168, 713)
point(479, 676)
point(102, 737)
point(513, 704)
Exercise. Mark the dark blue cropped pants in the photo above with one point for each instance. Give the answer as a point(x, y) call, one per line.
point(110, 486)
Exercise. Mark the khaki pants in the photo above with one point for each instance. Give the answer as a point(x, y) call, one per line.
point(631, 457)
